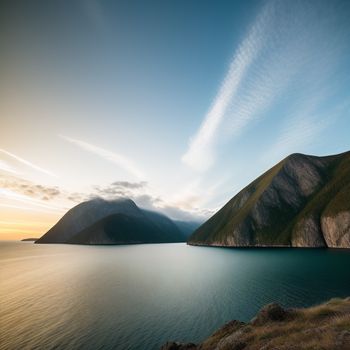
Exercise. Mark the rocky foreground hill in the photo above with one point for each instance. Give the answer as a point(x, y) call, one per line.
point(303, 201)
point(119, 221)
point(325, 327)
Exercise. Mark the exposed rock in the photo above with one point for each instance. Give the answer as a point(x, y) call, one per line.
point(270, 312)
point(276, 328)
point(308, 233)
point(303, 201)
point(336, 230)
point(178, 346)
point(232, 341)
point(343, 339)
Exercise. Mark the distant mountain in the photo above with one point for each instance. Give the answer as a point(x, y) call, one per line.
point(121, 221)
point(187, 227)
point(303, 201)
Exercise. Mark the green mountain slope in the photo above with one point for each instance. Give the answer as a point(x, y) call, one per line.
point(303, 201)
point(120, 221)
point(123, 229)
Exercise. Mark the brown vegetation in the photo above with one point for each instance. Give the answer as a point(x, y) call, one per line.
point(323, 327)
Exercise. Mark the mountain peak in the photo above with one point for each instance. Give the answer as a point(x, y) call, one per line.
point(287, 206)
point(117, 221)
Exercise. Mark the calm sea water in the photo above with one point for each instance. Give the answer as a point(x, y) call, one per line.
point(140, 296)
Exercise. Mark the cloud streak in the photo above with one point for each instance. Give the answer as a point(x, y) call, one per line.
point(28, 188)
point(22, 194)
point(6, 167)
point(200, 152)
point(27, 163)
point(296, 134)
point(118, 159)
point(183, 207)
point(18, 197)
point(302, 128)
point(276, 65)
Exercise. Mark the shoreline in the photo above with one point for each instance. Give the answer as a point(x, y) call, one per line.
point(325, 326)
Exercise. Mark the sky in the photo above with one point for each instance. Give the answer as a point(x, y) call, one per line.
point(175, 104)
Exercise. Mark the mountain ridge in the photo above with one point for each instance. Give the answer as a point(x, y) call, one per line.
point(119, 221)
point(284, 207)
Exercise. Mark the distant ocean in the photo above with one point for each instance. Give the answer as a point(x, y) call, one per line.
point(138, 297)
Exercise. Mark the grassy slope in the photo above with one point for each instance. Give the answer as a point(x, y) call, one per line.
point(124, 229)
point(331, 198)
point(322, 327)
point(221, 223)
point(326, 327)
point(328, 200)
point(338, 191)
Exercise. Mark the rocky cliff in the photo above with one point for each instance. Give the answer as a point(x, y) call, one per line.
point(303, 201)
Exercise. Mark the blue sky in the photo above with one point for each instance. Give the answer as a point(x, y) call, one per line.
point(180, 103)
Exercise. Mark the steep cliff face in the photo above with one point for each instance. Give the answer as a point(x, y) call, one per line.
point(303, 201)
point(121, 221)
point(307, 233)
point(336, 230)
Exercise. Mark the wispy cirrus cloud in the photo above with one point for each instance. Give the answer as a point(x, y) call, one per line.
point(183, 206)
point(303, 128)
point(28, 188)
point(26, 207)
point(278, 59)
point(295, 135)
point(4, 166)
point(200, 152)
point(25, 162)
point(28, 200)
point(22, 194)
point(121, 188)
point(19, 193)
point(122, 161)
